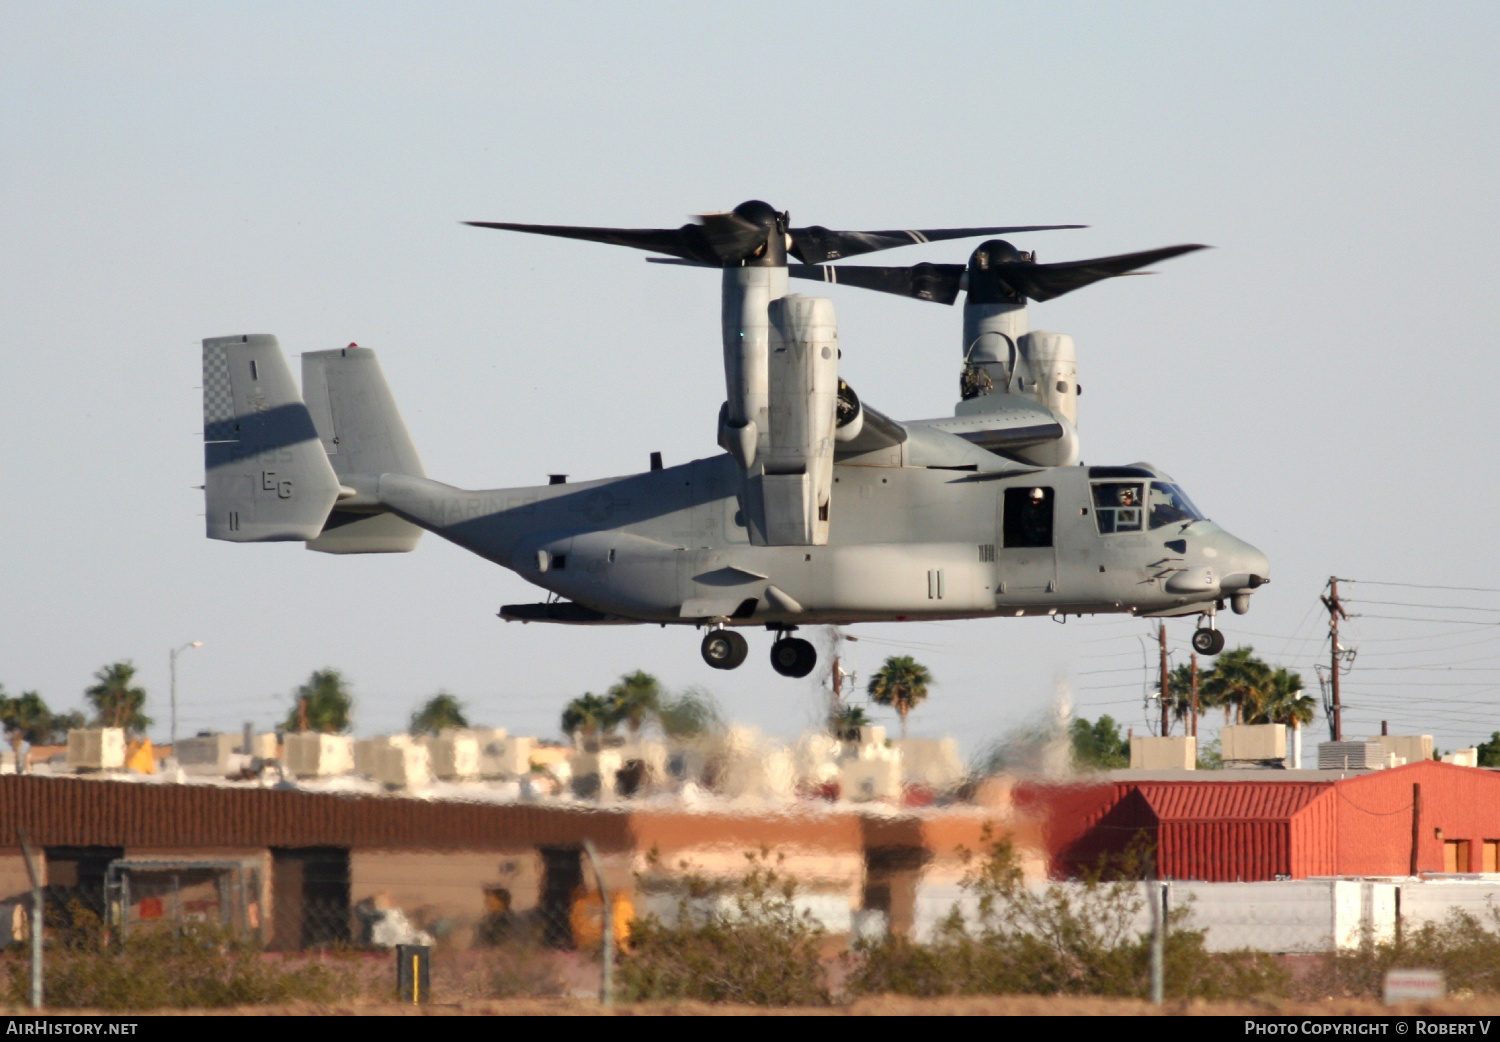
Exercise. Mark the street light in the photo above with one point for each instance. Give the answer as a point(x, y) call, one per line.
point(173, 657)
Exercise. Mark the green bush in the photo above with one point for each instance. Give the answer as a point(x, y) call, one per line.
point(197, 967)
point(1464, 947)
point(1056, 940)
point(746, 944)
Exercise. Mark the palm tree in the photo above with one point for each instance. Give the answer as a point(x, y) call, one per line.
point(635, 698)
point(1238, 679)
point(589, 715)
point(26, 719)
point(900, 684)
point(437, 714)
point(324, 704)
point(116, 700)
point(1284, 702)
point(846, 722)
point(1179, 691)
point(689, 715)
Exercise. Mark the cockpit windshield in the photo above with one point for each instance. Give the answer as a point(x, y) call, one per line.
point(1168, 505)
point(1129, 506)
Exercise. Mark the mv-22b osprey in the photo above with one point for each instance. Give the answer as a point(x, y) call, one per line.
point(820, 510)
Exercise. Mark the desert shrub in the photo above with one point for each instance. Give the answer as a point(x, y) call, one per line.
point(522, 972)
point(1071, 940)
point(745, 943)
point(1464, 946)
point(199, 966)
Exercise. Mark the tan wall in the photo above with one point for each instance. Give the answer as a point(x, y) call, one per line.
point(815, 870)
point(14, 882)
point(432, 885)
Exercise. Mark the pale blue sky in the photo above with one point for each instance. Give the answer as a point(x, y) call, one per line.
point(1321, 381)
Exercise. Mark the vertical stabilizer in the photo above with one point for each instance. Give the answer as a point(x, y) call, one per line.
point(267, 477)
point(362, 432)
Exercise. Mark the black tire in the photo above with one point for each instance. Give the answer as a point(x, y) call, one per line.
point(1208, 642)
point(793, 657)
point(724, 649)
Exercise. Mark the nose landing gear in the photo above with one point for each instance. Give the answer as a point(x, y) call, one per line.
point(793, 656)
point(1207, 640)
point(724, 649)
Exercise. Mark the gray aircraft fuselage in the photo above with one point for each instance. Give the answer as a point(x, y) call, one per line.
point(671, 546)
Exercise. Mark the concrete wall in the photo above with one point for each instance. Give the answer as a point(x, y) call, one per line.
point(1291, 916)
point(1433, 902)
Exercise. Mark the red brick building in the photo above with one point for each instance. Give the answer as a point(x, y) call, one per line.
point(1227, 826)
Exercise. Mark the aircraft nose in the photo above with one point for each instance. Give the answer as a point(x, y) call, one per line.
point(1245, 569)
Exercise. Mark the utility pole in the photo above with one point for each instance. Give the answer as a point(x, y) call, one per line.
point(1195, 694)
point(1166, 708)
point(1335, 612)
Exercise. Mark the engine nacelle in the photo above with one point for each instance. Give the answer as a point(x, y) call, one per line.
point(745, 323)
point(1052, 372)
point(796, 483)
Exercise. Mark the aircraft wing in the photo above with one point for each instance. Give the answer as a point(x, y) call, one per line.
point(1016, 423)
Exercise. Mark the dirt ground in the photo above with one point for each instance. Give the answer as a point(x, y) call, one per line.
point(997, 1006)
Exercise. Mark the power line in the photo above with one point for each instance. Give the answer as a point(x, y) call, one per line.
point(1423, 636)
point(1415, 604)
point(1424, 586)
point(1413, 618)
point(1428, 651)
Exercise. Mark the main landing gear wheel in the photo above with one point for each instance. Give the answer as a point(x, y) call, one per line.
point(724, 649)
point(793, 657)
point(1208, 642)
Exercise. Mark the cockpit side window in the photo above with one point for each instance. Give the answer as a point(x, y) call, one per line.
point(1117, 506)
point(1168, 504)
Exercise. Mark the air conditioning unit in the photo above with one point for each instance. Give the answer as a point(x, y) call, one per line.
point(454, 755)
point(403, 766)
point(1352, 756)
point(96, 748)
point(214, 755)
point(367, 752)
point(311, 754)
point(1150, 753)
point(502, 755)
point(1408, 747)
point(1252, 743)
point(861, 780)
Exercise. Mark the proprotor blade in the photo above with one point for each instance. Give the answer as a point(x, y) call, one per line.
point(1046, 281)
point(938, 283)
point(816, 244)
point(687, 242)
point(718, 239)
